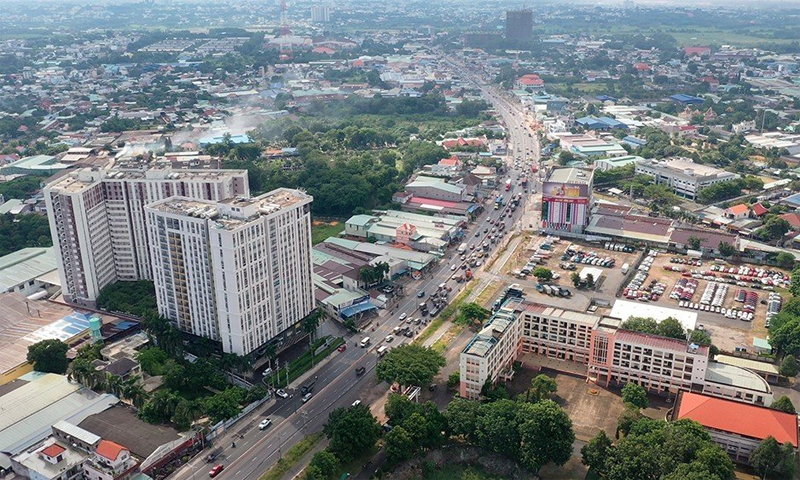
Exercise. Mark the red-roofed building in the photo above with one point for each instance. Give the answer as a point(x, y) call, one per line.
point(53, 451)
point(530, 80)
point(641, 67)
point(736, 427)
point(697, 51)
point(737, 212)
point(759, 210)
point(111, 461)
point(793, 219)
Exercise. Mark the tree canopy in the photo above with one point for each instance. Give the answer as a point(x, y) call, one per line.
point(773, 460)
point(351, 431)
point(410, 365)
point(49, 356)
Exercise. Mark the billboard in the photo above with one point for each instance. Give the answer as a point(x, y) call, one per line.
point(565, 190)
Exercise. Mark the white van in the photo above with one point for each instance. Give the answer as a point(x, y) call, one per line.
point(382, 350)
point(364, 342)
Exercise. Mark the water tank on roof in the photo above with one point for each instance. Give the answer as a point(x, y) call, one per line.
point(94, 327)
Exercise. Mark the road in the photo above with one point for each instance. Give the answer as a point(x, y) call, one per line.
point(336, 384)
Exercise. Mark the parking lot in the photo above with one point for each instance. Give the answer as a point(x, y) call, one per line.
point(736, 297)
point(564, 257)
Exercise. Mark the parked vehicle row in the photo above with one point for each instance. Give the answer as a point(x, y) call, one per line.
point(619, 247)
point(774, 305)
point(553, 290)
point(687, 261)
point(684, 289)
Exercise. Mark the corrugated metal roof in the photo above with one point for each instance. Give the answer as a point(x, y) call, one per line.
point(748, 364)
point(736, 377)
point(25, 265)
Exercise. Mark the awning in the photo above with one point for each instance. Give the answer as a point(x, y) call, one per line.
point(353, 310)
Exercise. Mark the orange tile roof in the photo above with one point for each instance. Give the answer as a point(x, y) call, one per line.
point(739, 418)
point(54, 450)
point(109, 449)
point(740, 209)
point(759, 209)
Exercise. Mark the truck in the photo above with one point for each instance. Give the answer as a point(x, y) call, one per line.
point(534, 167)
point(625, 268)
point(498, 202)
point(462, 248)
point(524, 181)
point(468, 274)
point(508, 184)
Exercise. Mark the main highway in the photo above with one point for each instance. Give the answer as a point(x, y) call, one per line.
point(335, 381)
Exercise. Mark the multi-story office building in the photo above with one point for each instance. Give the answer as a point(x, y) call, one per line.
point(613, 356)
point(321, 14)
point(491, 353)
point(567, 199)
point(684, 176)
point(519, 25)
point(238, 271)
point(98, 223)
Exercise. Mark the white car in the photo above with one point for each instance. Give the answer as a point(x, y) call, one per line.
point(281, 393)
point(264, 424)
point(403, 316)
point(453, 268)
point(356, 403)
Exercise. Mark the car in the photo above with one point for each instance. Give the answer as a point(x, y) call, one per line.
point(421, 294)
point(432, 387)
point(417, 321)
point(701, 327)
point(281, 393)
point(389, 338)
point(356, 403)
point(403, 316)
point(342, 347)
point(360, 371)
point(307, 397)
point(216, 470)
point(485, 230)
point(478, 234)
point(453, 268)
point(264, 424)
point(267, 371)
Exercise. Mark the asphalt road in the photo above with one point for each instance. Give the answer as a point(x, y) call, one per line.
point(336, 383)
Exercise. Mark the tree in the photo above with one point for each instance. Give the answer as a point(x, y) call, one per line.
point(794, 285)
point(595, 454)
point(726, 249)
point(635, 395)
point(785, 260)
point(784, 404)
point(453, 381)
point(326, 462)
point(773, 229)
point(152, 360)
point(160, 407)
point(224, 405)
point(49, 356)
point(671, 328)
point(773, 460)
point(576, 279)
point(541, 387)
point(471, 314)
point(186, 412)
point(462, 417)
point(546, 435)
point(400, 445)
point(786, 336)
point(589, 281)
point(351, 432)
point(694, 242)
point(641, 325)
point(497, 428)
point(543, 274)
point(410, 365)
point(789, 366)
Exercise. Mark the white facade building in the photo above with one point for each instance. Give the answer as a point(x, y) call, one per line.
point(321, 14)
point(98, 223)
point(237, 271)
point(684, 176)
point(490, 352)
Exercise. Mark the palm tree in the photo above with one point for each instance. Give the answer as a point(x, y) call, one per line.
point(113, 384)
point(81, 371)
point(133, 390)
point(310, 324)
point(269, 352)
point(171, 341)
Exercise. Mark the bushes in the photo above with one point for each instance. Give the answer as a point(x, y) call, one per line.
point(135, 298)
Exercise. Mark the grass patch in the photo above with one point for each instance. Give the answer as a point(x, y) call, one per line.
point(292, 457)
point(322, 230)
point(488, 293)
point(446, 315)
point(303, 363)
point(451, 333)
point(458, 472)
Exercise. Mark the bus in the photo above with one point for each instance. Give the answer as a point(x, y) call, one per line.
point(508, 184)
point(498, 202)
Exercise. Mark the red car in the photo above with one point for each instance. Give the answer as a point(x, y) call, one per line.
point(342, 347)
point(216, 470)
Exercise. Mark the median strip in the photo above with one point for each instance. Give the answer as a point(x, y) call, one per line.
point(293, 455)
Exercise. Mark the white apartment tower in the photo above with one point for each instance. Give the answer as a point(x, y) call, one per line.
point(321, 14)
point(238, 271)
point(98, 223)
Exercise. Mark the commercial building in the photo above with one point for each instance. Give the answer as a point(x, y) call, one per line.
point(28, 271)
point(491, 352)
point(736, 427)
point(237, 271)
point(321, 14)
point(605, 164)
point(420, 232)
point(613, 355)
point(98, 224)
point(519, 25)
point(683, 176)
point(567, 199)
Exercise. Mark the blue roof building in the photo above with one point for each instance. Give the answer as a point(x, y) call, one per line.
point(602, 123)
point(686, 99)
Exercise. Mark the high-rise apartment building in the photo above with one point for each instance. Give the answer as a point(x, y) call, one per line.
point(519, 25)
point(321, 14)
point(99, 227)
point(238, 271)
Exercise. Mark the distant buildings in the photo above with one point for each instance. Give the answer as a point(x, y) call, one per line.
point(321, 14)
point(236, 271)
point(567, 199)
point(684, 176)
point(519, 25)
point(605, 164)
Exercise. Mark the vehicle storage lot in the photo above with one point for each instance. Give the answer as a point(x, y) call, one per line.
point(549, 252)
point(716, 288)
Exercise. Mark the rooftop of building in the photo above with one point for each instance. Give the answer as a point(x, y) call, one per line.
point(754, 365)
point(25, 265)
point(662, 343)
point(573, 316)
point(687, 167)
point(726, 374)
point(120, 425)
point(489, 336)
point(77, 180)
point(624, 309)
point(740, 418)
point(33, 458)
point(571, 175)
